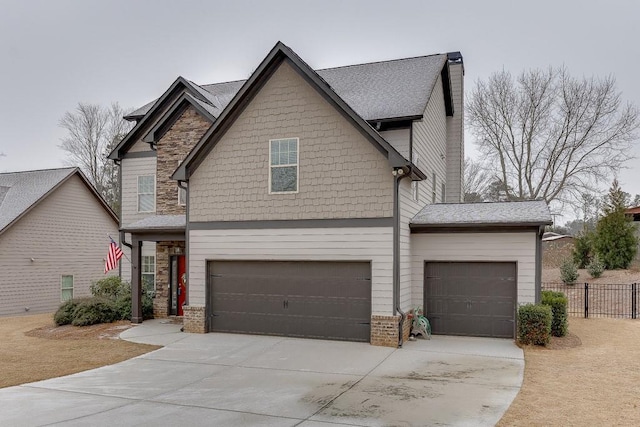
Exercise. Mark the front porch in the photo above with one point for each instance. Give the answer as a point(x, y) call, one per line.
point(168, 233)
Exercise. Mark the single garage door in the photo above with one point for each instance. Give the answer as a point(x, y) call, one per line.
point(329, 300)
point(471, 298)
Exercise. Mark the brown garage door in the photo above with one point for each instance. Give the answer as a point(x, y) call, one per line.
point(330, 300)
point(471, 298)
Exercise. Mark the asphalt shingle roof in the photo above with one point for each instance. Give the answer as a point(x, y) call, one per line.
point(158, 222)
point(473, 214)
point(21, 190)
point(377, 90)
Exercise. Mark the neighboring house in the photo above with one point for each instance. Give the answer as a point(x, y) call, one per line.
point(53, 239)
point(322, 204)
point(634, 213)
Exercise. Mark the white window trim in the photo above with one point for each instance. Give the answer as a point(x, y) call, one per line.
point(62, 276)
point(155, 269)
point(138, 193)
point(297, 165)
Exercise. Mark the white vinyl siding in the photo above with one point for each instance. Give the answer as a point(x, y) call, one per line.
point(374, 244)
point(131, 169)
point(146, 193)
point(70, 219)
point(283, 165)
point(508, 247)
point(66, 288)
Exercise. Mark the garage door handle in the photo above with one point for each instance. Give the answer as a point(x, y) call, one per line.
point(285, 304)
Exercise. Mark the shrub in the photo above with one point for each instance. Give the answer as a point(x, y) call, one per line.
point(94, 310)
point(568, 272)
point(64, 314)
point(595, 267)
point(534, 324)
point(583, 249)
point(558, 303)
point(111, 287)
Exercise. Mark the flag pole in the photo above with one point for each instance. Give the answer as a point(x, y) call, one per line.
point(125, 255)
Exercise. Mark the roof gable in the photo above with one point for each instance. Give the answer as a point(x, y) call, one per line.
point(252, 86)
point(25, 190)
point(180, 85)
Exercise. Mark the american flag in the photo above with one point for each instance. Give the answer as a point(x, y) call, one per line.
point(115, 253)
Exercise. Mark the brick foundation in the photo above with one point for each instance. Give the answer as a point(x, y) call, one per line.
point(194, 319)
point(384, 330)
point(406, 329)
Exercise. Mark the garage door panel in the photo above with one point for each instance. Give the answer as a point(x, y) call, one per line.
point(292, 298)
point(471, 298)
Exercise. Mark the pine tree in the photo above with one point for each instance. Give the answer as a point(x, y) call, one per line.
point(615, 241)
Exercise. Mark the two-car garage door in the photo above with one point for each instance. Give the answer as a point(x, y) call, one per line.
point(330, 300)
point(471, 298)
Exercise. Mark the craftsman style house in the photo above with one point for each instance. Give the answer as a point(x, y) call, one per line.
point(321, 204)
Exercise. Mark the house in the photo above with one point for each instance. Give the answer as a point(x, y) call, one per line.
point(322, 204)
point(634, 214)
point(53, 238)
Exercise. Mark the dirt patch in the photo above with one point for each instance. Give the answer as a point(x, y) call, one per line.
point(631, 275)
point(33, 349)
point(596, 383)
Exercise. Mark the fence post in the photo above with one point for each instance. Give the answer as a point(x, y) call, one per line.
point(634, 301)
point(586, 300)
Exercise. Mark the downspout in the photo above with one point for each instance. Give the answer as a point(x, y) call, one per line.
point(399, 174)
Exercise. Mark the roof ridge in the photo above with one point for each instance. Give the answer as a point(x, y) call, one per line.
point(380, 62)
point(40, 170)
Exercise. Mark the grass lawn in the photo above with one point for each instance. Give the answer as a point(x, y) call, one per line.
point(590, 378)
point(32, 349)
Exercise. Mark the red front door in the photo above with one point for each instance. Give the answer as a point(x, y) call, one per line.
point(182, 283)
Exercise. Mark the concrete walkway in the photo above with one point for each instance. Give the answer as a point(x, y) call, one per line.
point(239, 380)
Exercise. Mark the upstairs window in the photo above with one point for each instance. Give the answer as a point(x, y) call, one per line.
point(283, 165)
point(433, 187)
point(66, 288)
point(182, 193)
point(146, 193)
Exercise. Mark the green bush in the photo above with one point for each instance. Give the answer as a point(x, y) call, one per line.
point(568, 272)
point(558, 303)
point(111, 287)
point(595, 267)
point(64, 314)
point(534, 324)
point(583, 249)
point(94, 310)
point(123, 306)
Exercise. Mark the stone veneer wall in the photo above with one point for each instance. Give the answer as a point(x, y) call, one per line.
point(172, 148)
point(384, 330)
point(164, 250)
point(194, 319)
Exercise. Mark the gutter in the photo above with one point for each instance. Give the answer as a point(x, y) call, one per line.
point(399, 174)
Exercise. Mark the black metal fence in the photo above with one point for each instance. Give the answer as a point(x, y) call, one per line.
point(599, 300)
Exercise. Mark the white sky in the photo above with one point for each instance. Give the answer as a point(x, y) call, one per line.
point(56, 53)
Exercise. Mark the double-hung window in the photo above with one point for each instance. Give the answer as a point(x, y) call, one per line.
point(149, 272)
point(146, 193)
point(66, 288)
point(182, 192)
point(283, 165)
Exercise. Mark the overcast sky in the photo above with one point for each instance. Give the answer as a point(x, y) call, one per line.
point(56, 53)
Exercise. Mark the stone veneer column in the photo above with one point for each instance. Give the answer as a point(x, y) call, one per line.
point(164, 250)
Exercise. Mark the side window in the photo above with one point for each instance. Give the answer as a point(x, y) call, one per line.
point(149, 273)
point(283, 165)
point(182, 193)
point(66, 288)
point(146, 193)
point(442, 192)
point(415, 193)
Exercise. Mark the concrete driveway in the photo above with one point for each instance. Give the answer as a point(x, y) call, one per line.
point(238, 380)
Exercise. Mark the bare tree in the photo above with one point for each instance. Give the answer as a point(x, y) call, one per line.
point(476, 181)
point(92, 132)
point(551, 136)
